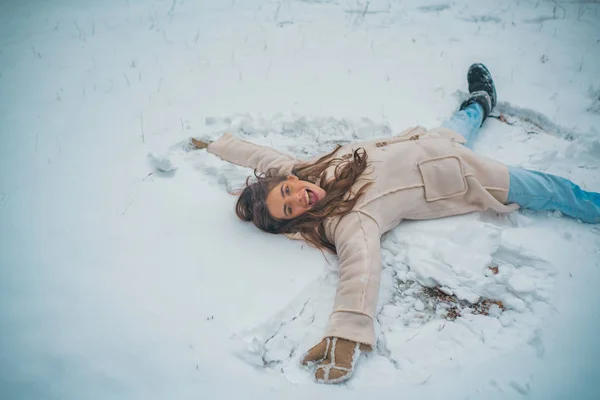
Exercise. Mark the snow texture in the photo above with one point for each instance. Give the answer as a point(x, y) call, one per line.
point(124, 273)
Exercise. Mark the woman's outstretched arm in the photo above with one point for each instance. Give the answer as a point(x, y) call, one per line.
point(358, 244)
point(351, 329)
point(240, 152)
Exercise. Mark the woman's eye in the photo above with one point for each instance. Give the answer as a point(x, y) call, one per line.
point(287, 190)
point(289, 210)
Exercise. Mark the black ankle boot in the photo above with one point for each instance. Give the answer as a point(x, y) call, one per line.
point(481, 88)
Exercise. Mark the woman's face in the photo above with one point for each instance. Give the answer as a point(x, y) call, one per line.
point(293, 197)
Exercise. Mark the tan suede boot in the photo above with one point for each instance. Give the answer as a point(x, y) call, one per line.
point(335, 359)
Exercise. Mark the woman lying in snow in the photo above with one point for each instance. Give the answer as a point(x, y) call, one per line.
point(345, 200)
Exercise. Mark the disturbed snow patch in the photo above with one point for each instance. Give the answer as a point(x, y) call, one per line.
point(460, 256)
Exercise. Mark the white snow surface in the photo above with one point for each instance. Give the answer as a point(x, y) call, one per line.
point(124, 273)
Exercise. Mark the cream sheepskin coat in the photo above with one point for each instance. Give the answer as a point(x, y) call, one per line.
point(416, 175)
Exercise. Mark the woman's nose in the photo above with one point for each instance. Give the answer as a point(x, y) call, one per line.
point(299, 197)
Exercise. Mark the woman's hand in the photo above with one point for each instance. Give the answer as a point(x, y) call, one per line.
point(199, 144)
point(335, 359)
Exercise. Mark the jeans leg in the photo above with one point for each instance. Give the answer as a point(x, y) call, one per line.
point(539, 191)
point(467, 122)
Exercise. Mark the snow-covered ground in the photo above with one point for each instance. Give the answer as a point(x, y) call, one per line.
point(121, 282)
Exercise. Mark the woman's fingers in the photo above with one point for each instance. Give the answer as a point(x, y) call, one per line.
point(317, 353)
point(336, 359)
point(332, 374)
point(199, 144)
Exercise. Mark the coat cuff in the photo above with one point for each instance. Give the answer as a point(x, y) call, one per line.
point(218, 146)
point(351, 326)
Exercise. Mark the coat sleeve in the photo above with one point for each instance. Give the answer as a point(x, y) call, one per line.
point(358, 242)
point(240, 152)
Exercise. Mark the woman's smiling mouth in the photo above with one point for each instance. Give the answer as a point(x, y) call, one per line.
point(311, 197)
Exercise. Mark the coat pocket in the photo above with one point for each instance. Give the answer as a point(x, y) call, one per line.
point(443, 177)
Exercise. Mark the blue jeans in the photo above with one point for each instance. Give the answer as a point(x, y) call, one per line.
point(532, 189)
point(467, 123)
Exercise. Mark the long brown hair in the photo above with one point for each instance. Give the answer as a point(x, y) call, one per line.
point(340, 199)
